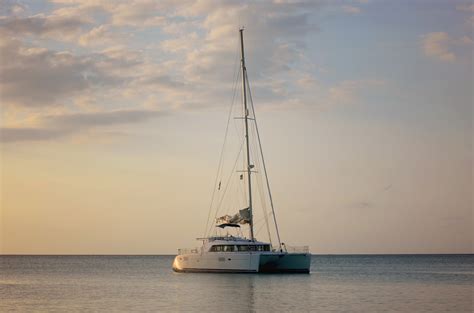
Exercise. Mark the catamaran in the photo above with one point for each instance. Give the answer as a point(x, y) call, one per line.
point(234, 252)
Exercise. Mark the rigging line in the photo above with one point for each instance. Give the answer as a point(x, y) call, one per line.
point(242, 192)
point(241, 189)
point(233, 199)
point(238, 134)
point(259, 184)
point(264, 206)
point(263, 161)
point(226, 205)
point(227, 183)
point(260, 187)
point(260, 226)
point(258, 231)
point(236, 76)
point(223, 145)
point(260, 220)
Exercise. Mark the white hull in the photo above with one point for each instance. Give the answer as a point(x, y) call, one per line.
point(232, 262)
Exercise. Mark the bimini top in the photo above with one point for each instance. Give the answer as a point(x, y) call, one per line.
point(228, 225)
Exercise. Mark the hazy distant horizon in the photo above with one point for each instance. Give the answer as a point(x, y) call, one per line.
point(315, 254)
point(113, 115)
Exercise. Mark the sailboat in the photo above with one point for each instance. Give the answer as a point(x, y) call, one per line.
point(237, 253)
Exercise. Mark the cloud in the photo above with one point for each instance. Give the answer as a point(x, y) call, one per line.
point(181, 43)
point(143, 13)
point(81, 22)
point(347, 92)
point(161, 81)
point(470, 21)
point(12, 8)
point(437, 45)
point(36, 77)
point(440, 46)
point(306, 80)
point(94, 119)
point(190, 66)
point(54, 26)
point(8, 135)
point(100, 35)
point(274, 43)
point(350, 9)
point(136, 13)
point(62, 125)
point(469, 8)
point(465, 7)
point(199, 47)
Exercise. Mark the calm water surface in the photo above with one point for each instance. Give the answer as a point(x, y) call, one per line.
point(404, 283)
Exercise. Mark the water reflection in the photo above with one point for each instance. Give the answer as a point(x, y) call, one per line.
point(246, 292)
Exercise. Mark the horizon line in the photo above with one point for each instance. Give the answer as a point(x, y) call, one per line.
point(312, 254)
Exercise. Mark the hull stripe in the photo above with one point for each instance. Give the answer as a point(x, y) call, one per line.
point(213, 270)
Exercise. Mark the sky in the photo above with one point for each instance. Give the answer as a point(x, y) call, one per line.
point(113, 115)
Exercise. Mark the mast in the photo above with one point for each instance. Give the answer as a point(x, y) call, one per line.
point(246, 118)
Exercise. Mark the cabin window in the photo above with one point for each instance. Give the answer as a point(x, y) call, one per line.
point(222, 248)
point(216, 248)
point(263, 248)
point(229, 248)
point(242, 248)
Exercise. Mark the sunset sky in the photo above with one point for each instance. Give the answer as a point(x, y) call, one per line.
point(113, 115)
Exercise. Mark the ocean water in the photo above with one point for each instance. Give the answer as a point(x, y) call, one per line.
point(375, 283)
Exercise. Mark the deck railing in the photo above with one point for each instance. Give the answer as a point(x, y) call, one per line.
point(297, 249)
point(286, 248)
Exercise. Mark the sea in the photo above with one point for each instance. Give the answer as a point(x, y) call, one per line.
point(337, 283)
